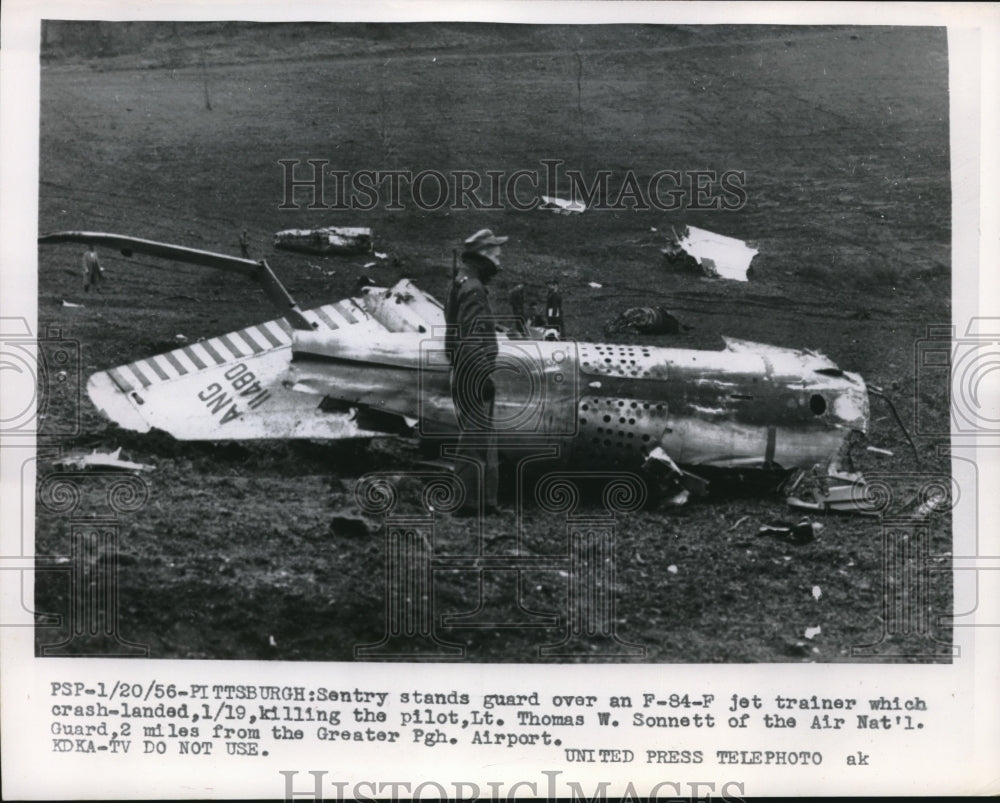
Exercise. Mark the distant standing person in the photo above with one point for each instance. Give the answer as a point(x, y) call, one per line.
point(245, 243)
point(472, 342)
point(553, 308)
point(93, 273)
point(516, 299)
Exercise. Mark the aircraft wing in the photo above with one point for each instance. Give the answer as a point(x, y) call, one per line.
point(229, 387)
point(236, 386)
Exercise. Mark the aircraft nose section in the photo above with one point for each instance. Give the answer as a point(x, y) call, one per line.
point(851, 405)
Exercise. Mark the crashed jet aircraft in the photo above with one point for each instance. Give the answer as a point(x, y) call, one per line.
point(366, 366)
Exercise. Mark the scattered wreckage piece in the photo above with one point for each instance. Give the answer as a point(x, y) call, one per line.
point(338, 240)
point(98, 459)
point(561, 206)
point(714, 255)
point(645, 321)
point(830, 490)
point(375, 365)
point(799, 533)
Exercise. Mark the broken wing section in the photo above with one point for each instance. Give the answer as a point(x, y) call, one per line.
point(226, 388)
point(236, 386)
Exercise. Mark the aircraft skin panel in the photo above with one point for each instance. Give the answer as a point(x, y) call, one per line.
point(404, 307)
point(726, 409)
point(229, 387)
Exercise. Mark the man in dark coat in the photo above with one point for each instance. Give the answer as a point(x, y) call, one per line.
point(472, 343)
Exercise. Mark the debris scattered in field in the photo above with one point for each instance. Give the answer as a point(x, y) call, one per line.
point(328, 240)
point(103, 460)
point(369, 265)
point(672, 569)
point(812, 632)
point(271, 642)
point(645, 321)
point(836, 490)
point(672, 479)
point(817, 593)
point(876, 450)
point(595, 285)
point(678, 499)
point(71, 305)
point(738, 523)
point(562, 207)
point(380, 255)
point(799, 533)
point(714, 255)
point(180, 338)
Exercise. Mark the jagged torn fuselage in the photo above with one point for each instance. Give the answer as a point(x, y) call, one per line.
point(748, 405)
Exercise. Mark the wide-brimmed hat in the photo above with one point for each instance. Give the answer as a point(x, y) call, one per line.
point(483, 240)
point(484, 244)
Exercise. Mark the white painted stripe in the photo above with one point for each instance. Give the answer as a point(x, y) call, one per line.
point(336, 315)
point(186, 361)
point(203, 355)
point(275, 331)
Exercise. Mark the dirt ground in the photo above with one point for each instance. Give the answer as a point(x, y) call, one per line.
point(174, 133)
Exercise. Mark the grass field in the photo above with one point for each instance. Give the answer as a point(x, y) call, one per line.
point(842, 134)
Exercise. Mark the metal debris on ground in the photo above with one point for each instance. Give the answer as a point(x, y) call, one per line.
point(645, 321)
point(836, 490)
point(101, 460)
point(71, 305)
point(676, 485)
point(714, 255)
point(328, 240)
point(562, 207)
point(801, 532)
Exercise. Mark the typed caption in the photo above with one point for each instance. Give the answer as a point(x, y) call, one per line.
point(656, 726)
